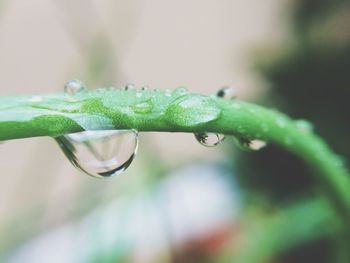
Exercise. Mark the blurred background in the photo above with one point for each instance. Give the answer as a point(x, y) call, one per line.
point(178, 201)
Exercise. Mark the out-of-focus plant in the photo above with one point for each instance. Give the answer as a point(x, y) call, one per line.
point(308, 78)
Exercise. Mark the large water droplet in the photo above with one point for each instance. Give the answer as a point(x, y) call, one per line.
point(192, 110)
point(209, 139)
point(100, 153)
point(74, 86)
point(227, 93)
point(142, 107)
point(250, 145)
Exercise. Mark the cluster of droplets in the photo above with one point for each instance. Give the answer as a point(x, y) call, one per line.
point(209, 139)
point(102, 153)
point(213, 139)
point(106, 153)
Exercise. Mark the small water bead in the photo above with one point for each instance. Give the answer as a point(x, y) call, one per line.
point(130, 87)
point(167, 92)
point(144, 88)
point(227, 93)
point(100, 154)
point(142, 107)
point(74, 86)
point(304, 125)
point(180, 91)
point(209, 139)
point(250, 145)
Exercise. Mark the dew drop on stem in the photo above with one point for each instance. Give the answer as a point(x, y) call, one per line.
point(74, 86)
point(213, 139)
point(180, 91)
point(130, 87)
point(227, 93)
point(100, 154)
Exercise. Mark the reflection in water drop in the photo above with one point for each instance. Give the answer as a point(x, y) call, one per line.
point(209, 139)
point(250, 145)
point(213, 139)
point(100, 153)
point(227, 93)
point(74, 86)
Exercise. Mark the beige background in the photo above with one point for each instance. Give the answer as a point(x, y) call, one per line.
point(200, 44)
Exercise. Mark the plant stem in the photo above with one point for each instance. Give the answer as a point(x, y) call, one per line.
point(57, 114)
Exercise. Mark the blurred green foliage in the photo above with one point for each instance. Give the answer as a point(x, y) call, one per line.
point(309, 79)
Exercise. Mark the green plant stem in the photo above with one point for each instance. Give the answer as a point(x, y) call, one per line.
point(57, 114)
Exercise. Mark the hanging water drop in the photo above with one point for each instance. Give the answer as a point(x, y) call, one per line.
point(74, 86)
point(130, 87)
point(209, 139)
point(144, 88)
point(250, 145)
point(100, 153)
point(227, 93)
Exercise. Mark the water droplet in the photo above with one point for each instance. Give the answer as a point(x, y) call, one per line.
point(130, 87)
point(100, 153)
point(74, 86)
point(209, 139)
point(156, 90)
point(145, 88)
point(304, 125)
point(142, 107)
point(250, 145)
point(192, 110)
point(227, 93)
point(167, 92)
point(180, 91)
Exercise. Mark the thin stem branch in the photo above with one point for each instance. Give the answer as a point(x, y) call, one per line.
point(57, 114)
